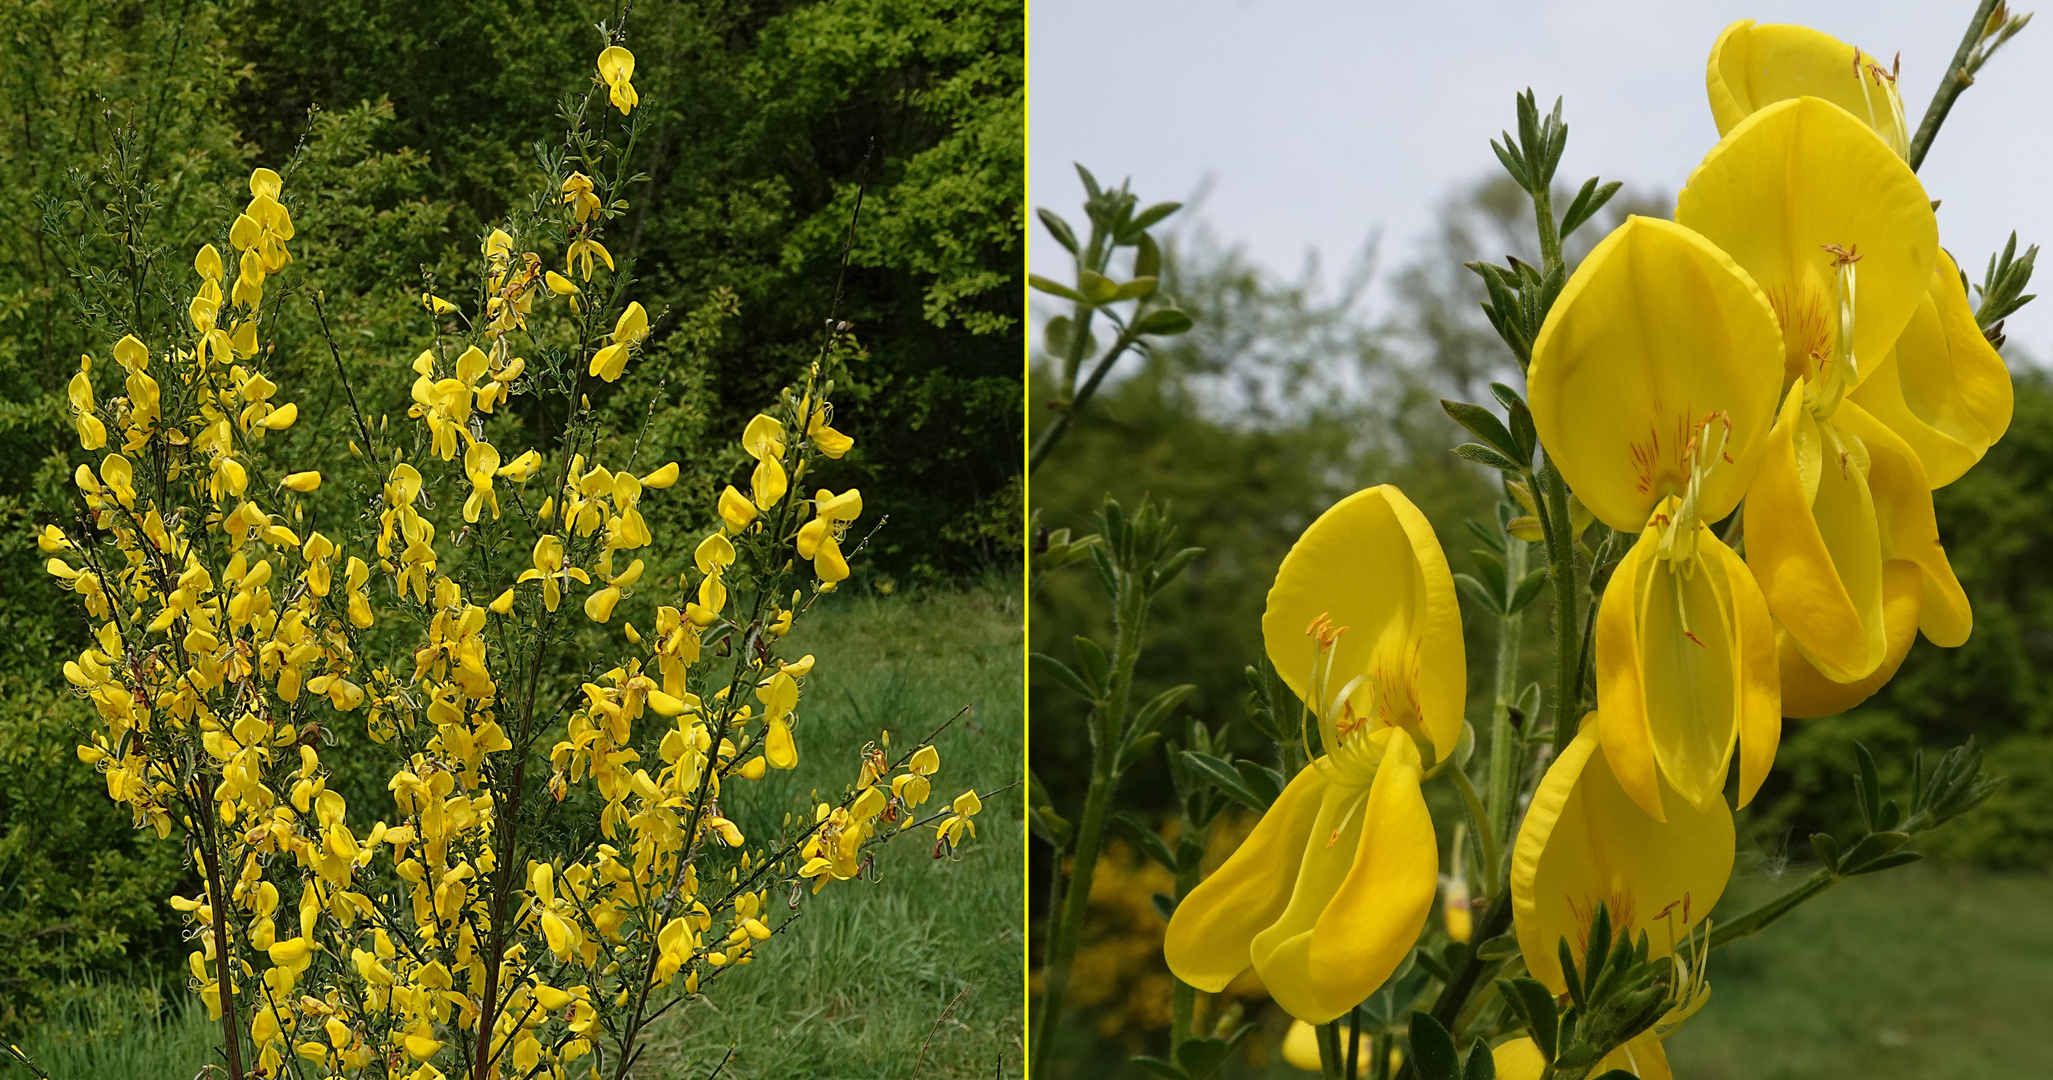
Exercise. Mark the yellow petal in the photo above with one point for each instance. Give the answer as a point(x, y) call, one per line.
point(1207, 943)
point(1584, 840)
point(1806, 693)
point(1906, 525)
point(1368, 881)
point(1943, 388)
point(1656, 331)
point(1794, 178)
point(1813, 543)
point(779, 747)
point(1372, 564)
point(1753, 66)
point(1685, 672)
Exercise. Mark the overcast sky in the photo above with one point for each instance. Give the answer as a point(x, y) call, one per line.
point(1318, 122)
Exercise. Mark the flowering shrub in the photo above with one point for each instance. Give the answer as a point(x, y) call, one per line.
point(560, 861)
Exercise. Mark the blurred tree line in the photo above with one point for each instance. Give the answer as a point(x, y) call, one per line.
point(403, 131)
point(1290, 394)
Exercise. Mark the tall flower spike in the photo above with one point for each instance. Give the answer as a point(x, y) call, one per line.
point(1943, 387)
point(1653, 384)
point(1803, 176)
point(1331, 889)
point(763, 440)
point(1753, 66)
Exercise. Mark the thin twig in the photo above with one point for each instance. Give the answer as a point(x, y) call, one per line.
point(949, 1008)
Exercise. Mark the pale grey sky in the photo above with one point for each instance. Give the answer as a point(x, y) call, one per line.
point(1319, 121)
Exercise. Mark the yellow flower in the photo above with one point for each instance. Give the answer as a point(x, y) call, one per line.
point(763, 440)
point(1754, 66)
point(1794, 191)
point(610, 362)
point(828, 441)
point(964, 807)
point(1942, 388)
point(480, 464)
point(616, 66)
point(1686, 667)
point(820, 538)
point(577, 194)
point(92, 433)
point(735, 509)
point(1331, 889)
point(1653, 384)
point(1585, 841)
point(303, 481)
point(1840, 499)
point(578, 259)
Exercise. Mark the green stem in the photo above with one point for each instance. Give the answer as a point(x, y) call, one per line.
point(1448, 1007)
point(1506, 752)
point(1550, 233)
point(1059, 426)
point(1753, 922)
point(1329, 1051)
point(1354, 1043)
point(1567, 612)
point(1955, 80)
point(1380, 1068)
point(1107, 723)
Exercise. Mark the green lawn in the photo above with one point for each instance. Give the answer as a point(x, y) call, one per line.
point(1932, 973)
point(916, 974)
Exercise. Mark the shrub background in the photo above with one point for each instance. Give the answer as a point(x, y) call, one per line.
point(408, 127)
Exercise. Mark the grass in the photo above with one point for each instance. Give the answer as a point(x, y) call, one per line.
point(916, 974)
point(1932, 973)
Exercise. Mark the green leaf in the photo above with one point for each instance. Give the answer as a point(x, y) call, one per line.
point(1586, 204)
point(1501, 947)
point(1135, 289)
point(1483, 455)
point(1521, 418)
point(1222, 776)
point(1481, 1064)
point(1148, 218)
point(1432, 1049)
point(1147, 259)
point(1527, 591)
point(1871, 847)
point(1069, 679)
point(1165, 321)
point(1535, 1007)
point(1202, 1057)
point(1480, 593)
point(1056, 288)
point(1160, 706)
point(1485, 425)
point(1431, 965)
point(1135, 749)
point(1827, 850)
point(1165, 905)
point(1264, 782)
point(1094, 669)
point(1140, 836)
point(1058, 228)
point(1050, 827)
point(1169, 568)
point(1096, 287)
point(1492, 569)
point(1868, 789)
